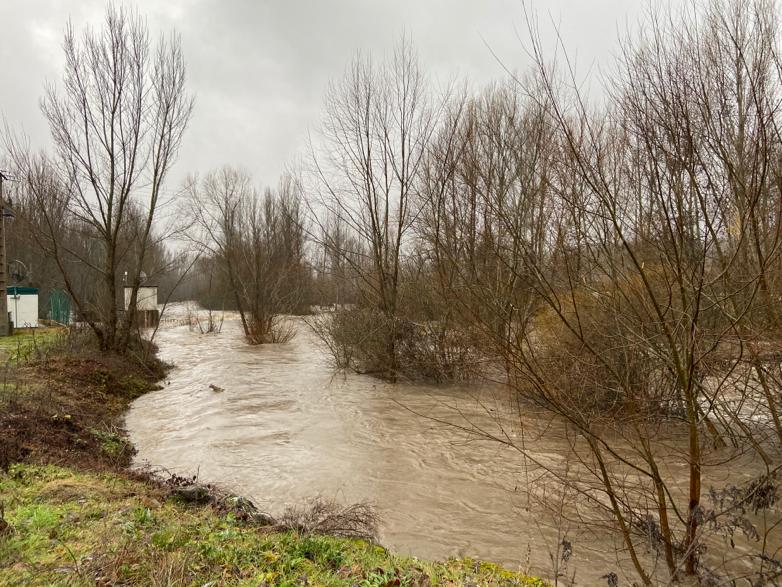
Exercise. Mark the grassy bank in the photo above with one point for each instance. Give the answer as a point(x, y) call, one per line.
point(70, 527)
point(65, 404)
point(28, 344)
point(71, 513)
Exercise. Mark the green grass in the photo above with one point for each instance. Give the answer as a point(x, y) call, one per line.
point(77, 528)
point(29, 343)
point(112, 442)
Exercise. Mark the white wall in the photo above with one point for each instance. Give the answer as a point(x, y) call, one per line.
point(24, 310)
point(146, 299)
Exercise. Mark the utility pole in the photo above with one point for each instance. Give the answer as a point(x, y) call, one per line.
point(4, 330)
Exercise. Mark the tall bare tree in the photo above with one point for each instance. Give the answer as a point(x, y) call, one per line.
point(117, 122)
point(645, 233)
point(377, 126)
point(256, 243)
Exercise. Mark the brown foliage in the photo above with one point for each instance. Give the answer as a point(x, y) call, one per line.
point(322, 516)
point(367, 341)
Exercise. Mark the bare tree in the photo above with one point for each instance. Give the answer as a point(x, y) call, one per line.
point(257, 243)
point(488, 209)
point(117, 122)
point(377, 127)
point(639, 306)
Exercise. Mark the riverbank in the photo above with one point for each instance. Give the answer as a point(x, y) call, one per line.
point(73, 513)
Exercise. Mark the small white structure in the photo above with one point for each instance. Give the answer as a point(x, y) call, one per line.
point(23, 306)
point(146, 314)
point(146, 300)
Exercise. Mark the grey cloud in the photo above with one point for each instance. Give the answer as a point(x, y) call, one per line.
point(259, 68)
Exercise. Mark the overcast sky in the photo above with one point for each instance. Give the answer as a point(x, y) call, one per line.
point(259, 68)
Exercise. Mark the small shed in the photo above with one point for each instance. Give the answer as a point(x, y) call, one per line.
point(146, 300)
point(147, 314)
point(23, 306)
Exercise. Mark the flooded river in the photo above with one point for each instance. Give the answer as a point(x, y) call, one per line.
point(286, 429)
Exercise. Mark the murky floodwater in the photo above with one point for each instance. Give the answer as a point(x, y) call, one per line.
point(286, 429)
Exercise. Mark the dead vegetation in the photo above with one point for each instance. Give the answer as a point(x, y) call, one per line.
point(204, 321)
point(319, 516)
point(359, 339)
point(328, 518)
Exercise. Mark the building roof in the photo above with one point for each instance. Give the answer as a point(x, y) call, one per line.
point(21, 290)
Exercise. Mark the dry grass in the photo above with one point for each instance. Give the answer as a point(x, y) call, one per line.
point(326, 517)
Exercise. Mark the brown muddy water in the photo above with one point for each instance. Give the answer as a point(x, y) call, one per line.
point(286, 429)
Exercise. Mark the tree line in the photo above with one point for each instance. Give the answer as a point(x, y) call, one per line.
point(617, 258)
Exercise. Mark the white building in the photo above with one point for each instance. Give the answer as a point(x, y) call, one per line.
point(23, 306)
point(147, 314)
point(146, 300)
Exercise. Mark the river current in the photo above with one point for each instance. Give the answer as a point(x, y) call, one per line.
point(286, 428)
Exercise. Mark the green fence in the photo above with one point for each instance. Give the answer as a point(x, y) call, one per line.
point(59, 306)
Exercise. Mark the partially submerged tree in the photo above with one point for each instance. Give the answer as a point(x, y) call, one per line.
point(652, 259)
point(256, 242)
point(487, 211)
point(377, 126)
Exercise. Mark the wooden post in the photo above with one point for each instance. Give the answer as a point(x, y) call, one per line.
point(3, 265)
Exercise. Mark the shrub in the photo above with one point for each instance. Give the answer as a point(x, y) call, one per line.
point(367, 341)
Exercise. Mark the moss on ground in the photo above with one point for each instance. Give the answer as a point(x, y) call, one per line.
point(70, 527)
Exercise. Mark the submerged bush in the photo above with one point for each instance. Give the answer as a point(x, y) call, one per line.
point(366, 341)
